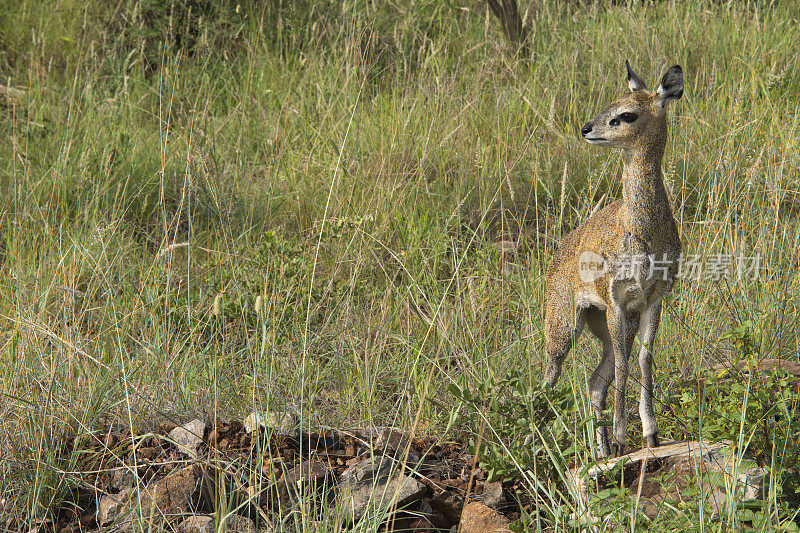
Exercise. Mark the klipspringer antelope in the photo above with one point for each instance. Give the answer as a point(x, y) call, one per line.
point(612, 272)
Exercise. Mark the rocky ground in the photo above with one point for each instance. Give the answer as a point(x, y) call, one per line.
point(263, 472)
point(259, 473)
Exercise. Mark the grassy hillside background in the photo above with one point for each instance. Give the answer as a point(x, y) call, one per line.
point(346, 207)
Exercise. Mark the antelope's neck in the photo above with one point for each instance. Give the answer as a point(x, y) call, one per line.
point(645, 200)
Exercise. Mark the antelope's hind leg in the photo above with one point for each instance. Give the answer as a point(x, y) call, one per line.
point(563, 324)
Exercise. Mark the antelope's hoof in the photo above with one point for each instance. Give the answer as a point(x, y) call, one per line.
point(605, 452)
point(617, 449)
point(652, 440)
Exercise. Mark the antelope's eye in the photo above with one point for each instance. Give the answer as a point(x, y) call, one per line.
point(628, 117)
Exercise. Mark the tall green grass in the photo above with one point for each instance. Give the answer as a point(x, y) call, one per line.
point(382, 178)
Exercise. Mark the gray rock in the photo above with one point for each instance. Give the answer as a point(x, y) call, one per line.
point(377, 484)
point(112, 507)
point(197, 524)
point(392, 438)
point(121, 479)
point(163, 499)
point(188, 436)
point(449, 504)
point(239, 524)
point(493, 494)
point(308, 472)
point(208, 524)
point(279, 422)
point(682, 460)
point(286, 492)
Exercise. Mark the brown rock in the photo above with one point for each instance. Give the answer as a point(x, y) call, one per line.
point(197, 524)
point(166, 498)
point(167, 426)
point(112, 507)
point(377, 483)
point(449, 504)
point(208, 524)
point(428, 519)
point(493, 494)
point(173, 494)
point(478, 518)
point(307, 472)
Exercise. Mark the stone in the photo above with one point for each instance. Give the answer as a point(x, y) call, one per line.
point(493, 494)
point(450, 504)
point(111, 507)
point(395, 443)
point(309, 472)
point(188, 436)
point(790, 367)
point(121, 478)
point(377, 483)
point(173, 494)
point(678, 464)
point(239, 524)
point(197, 524)
point(163, 499)
point(279, 422)
point(478, 518)
point(392, 438)
point(428, 519)
point(208, 524)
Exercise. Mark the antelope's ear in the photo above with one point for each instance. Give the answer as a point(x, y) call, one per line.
point(671, 87)
point(635, 83)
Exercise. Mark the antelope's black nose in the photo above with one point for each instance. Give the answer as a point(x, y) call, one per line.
point(587, 129)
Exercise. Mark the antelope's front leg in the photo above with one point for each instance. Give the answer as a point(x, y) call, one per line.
point(647, 336)
point(617, 328)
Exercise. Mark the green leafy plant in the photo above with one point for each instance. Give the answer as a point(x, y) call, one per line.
point(754, 408)
point(529, 426)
